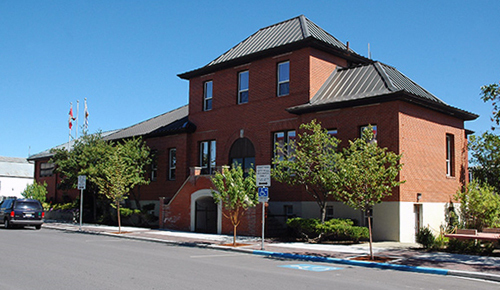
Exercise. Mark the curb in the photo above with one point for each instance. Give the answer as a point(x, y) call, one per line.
point(385, 266)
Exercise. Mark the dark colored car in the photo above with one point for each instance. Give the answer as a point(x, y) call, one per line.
point(21, 212)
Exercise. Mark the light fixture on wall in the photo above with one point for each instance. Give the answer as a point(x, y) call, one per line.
point(419, 196)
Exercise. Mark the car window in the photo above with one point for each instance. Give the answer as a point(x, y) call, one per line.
point(6, 203)
point(28, 205)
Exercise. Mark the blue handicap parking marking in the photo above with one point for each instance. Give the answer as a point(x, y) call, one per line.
point(310, 267)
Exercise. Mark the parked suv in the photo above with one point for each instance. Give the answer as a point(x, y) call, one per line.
point(22, 212)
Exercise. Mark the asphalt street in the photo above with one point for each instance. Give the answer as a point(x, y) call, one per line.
point(48, 259)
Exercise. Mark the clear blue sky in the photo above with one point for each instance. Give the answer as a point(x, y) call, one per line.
point(124, 56)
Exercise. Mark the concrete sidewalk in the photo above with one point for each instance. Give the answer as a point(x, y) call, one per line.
point(405, 257)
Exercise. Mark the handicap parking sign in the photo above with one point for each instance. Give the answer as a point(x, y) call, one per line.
point(263, 194)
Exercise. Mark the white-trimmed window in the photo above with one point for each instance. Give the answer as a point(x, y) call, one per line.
point(172, 161)
point(154, 165)
point(450, 153)
point(207, 156)
point(207, 95)
point(329, 212)
point(46, 169)
point(374, 128)
point(288, 211)
point(285, 140)
point(283, 78)
point(243, 79)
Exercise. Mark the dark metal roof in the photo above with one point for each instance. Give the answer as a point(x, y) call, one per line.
point(293, 31)
point(374, 82)
point(173, 122)
point(154, 124)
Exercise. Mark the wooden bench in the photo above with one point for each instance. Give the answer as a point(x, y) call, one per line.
point(466, 232)
point(492, 230)
point(492, 234)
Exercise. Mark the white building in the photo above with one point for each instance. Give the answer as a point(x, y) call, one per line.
point(15, 175)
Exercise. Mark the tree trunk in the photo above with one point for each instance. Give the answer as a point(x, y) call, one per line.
point(119, 220)
point(371, 241)
point(234, 235)
point(323, 212)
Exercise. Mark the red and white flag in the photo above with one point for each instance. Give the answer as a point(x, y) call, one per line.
point(71, 118)
point(86, 121)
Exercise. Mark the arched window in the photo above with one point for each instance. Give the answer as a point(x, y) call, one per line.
point(242, 153)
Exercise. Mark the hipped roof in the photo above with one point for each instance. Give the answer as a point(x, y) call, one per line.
point(370, 83)
point(290, 34)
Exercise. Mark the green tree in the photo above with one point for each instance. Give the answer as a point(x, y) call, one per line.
point(492, 93)
point(236, 192)
point(310, 162)
point(36, 191)
point(94, 157)
point(121, 170)
point(368, 174)
point(485, 158)
point(83, 159)
point(86, 154)
point(479, 206)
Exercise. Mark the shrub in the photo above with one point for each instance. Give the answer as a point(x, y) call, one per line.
point(36, 191)
point(128, 211)
point(440, 242)
point(425, 237)
point(332, 230)
point(304, 228)
point(480, 206)
point(470, 247)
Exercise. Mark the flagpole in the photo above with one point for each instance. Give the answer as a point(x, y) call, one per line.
point(85, 118)
point(69, 122)
point(77, 106)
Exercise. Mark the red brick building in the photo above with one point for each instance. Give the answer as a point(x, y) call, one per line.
point(260, 91)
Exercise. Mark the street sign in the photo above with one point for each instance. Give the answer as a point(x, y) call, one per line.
point(81, 181)
point(263, 175)
point(263, 194)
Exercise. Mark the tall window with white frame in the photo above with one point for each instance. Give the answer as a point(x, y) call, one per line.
point(285, 140)
point(243, 78)
point(154, 165)
point(207, 156)
point(207, 95)
point(283, 78)
point(450, 153)
point(374, 128)
point(172, 161)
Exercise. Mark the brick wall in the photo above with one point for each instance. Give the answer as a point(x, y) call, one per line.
point(423, 145)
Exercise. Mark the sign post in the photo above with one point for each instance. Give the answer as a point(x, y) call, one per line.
point(263, 180)
point(82, 181)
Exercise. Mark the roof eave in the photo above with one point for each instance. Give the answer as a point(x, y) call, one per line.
point(308, 42)
point(399, 95)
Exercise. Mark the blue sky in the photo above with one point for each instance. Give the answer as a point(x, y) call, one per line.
point(124, 56)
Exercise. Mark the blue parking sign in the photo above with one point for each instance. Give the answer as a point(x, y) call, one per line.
point(263, 194)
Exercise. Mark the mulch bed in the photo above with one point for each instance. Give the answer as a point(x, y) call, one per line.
point(237, 245)
point(376, 259)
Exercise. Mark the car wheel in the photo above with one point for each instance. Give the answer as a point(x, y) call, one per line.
point(38, 227)
point(7, 224)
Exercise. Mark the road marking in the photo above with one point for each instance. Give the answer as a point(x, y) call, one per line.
point(310, 267)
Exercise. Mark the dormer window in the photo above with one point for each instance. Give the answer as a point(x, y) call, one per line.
point(243, 87)
point(207, 96)
point(283, 78)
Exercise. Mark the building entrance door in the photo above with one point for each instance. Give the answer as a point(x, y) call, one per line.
point(417, 209)
point(206, 215)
